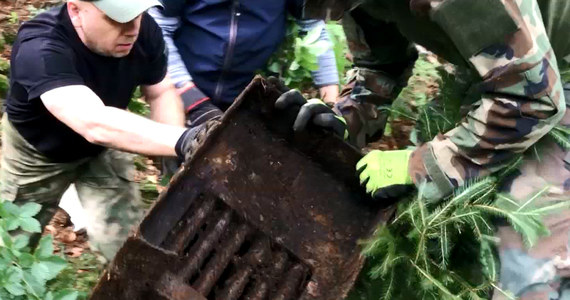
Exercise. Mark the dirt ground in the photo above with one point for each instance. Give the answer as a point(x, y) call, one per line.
point(13, 13)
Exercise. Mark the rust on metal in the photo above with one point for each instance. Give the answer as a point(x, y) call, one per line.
point(261, 287)
point(170, 287)
point(214, 268)
point(290, 286)
point(192, 224)
point(200, 250)
point(235, 285)
point(253, 178)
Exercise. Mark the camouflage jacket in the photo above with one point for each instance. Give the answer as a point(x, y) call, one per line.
point(514, 46)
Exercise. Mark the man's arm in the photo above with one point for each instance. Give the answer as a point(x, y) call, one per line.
point(522, 97)
point(165, 103)
point(82, 110)
point(326, 77)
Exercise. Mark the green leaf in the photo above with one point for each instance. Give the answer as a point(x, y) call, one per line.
point(45, 247)
point(15, 289)
point(54, 264)
point(34, 285)
point(30, 225)
point(12, 223)
point(8, 209)
point(14, 274)
point(5, 239)
point(49, 296)
point(26, 260)
point(66, 295)
point(294, 66)
point(319, 48)
point(40, 271)
point(275, 67)
point(30, 209)
point(20, 241)
point(312, 36)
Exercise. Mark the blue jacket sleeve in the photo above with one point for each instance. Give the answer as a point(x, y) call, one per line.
point(327, 74)
point(176, 67)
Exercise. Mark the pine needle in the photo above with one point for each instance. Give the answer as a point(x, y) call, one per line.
point(434, 281)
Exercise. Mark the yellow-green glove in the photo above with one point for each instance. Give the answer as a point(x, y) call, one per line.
point(385, 173)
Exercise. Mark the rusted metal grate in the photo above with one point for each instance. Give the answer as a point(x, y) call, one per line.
point(259, 212)
point(226, 258)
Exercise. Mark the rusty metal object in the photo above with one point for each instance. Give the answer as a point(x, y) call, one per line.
point(237, 283)
point(259, 212)
point(290, 287)
point(204, 246)
point(189, 227)
point(220, 261)
point(260, 289)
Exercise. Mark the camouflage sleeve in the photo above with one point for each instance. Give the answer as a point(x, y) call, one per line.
point(522, 96)
point(383, 59)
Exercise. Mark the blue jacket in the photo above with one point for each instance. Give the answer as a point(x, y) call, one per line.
point(219, 44)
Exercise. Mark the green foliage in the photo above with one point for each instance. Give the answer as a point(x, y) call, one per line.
point(25, 273)
point(4, 86)
point(13, 18)
point(4, 81)
point(36, 11)
point(445, 250)
point(298, 54)
point(419, 92)
point(565, 74)
point(561, 135)
point(2, 42)
point(340, 48)
point(443, 114)
point(138, 106)
point(81, 274)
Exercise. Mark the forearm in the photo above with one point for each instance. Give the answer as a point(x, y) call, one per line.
point(522, 100)
point(115, 128)
point(82, 111)
point(167, 108)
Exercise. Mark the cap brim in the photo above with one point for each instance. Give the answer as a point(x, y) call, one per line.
point(124, 11)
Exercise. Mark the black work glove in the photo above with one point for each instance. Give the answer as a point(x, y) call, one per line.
point(192, 138)
point(198, 107)
point(315, 111)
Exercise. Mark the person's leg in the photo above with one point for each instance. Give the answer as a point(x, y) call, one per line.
point(382, 67)
point(27, 176)
point(538, 272)
point(111, 199)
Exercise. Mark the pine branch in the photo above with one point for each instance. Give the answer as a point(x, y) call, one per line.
point(434, 281)
point(561, 135)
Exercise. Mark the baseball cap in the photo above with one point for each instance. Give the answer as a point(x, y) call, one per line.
point(124, 11)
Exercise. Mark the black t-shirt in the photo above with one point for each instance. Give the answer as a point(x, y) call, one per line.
point(48, 54)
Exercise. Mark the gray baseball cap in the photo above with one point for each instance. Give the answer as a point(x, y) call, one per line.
point(124, 11)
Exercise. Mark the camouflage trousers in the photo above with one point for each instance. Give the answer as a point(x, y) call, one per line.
point(105, 185)
point(543, 271)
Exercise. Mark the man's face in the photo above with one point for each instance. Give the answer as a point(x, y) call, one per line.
point(100, 33)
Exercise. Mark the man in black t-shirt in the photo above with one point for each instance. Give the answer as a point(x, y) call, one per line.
point(74, 69)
